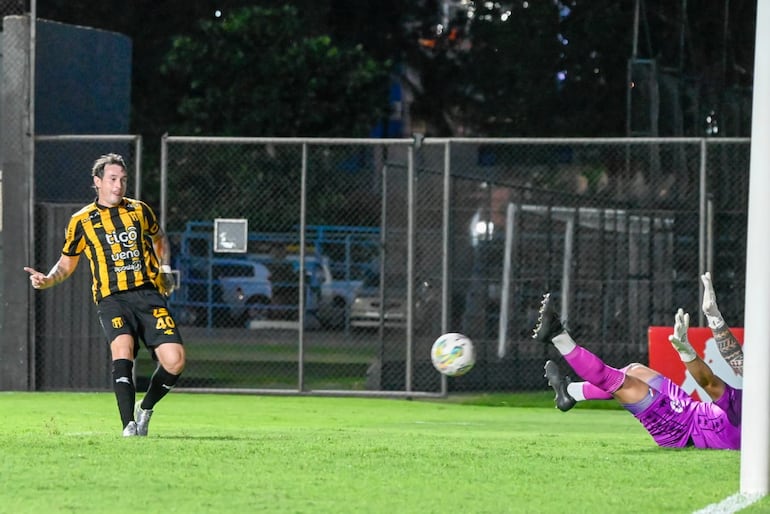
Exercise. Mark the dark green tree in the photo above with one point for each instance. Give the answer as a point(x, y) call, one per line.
point(709, 48)
point(255, 73)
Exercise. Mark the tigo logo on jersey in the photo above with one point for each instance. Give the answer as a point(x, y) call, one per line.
point(127, 238)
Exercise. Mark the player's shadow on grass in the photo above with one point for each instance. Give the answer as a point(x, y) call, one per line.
point(209, 437)
point(657, 449)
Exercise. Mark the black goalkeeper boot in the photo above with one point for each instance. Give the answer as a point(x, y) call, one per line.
point(549, 324)
point(564, 401)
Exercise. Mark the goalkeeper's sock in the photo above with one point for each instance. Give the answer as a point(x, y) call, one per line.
point(587, 391)
point(125, 391)
point(161, 383)
point(575, 390)
point(564, 343)
point(684, 349)
point(594, 370)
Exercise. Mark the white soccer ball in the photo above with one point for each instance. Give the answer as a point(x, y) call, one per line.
point(452, 354)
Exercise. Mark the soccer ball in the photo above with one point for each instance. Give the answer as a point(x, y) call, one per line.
point(452, 354)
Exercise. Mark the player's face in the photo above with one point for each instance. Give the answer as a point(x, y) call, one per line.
point(112, 186)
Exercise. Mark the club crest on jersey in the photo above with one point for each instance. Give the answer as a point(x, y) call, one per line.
point(676, 406)
point(117, 322)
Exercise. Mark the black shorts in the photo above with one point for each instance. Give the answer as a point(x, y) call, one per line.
point(141, 313)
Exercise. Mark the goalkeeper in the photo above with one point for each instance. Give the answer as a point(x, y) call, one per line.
point(130, 264)
point(666, 411)
point(728, 398)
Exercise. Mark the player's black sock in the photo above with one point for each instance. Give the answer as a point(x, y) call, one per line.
point(160, 384)
point(125, 391)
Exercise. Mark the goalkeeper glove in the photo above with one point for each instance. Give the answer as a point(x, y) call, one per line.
point(679, 338)
point(710, 309)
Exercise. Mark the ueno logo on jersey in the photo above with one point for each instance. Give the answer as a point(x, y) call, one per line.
point(127, 238)
point(122, 256)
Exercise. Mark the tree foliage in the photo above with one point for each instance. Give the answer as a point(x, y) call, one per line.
point(552, 69)
point(505, 85)
point(510, 73)
point(254, 73)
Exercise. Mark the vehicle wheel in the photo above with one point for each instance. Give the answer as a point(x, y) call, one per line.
point(257, 308)
point(333, 314)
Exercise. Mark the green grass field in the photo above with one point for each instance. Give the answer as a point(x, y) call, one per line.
point(63, 452)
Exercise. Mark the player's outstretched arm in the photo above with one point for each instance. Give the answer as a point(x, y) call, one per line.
point(63, 268)
point(728, 346)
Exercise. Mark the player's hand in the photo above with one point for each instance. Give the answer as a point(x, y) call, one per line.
point(37, 279)
point(166, 281)
point(679, 338)
point(709, 297)
point(681, 324)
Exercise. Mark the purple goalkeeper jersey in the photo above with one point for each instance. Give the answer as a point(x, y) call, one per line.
point(674, 419)
point(731, 402)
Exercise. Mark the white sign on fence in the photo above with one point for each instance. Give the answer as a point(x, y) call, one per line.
point(231, 235)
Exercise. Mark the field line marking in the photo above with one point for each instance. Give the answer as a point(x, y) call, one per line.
point(731, 504)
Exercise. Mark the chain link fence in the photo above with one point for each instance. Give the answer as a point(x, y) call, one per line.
point(424, 237)
point(359, 253)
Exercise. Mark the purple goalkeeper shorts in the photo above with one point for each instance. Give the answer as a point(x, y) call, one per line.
point(675, 420)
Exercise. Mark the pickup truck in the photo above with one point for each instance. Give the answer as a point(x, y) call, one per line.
point(234, 291)
point(330, 298)
point(222, 291)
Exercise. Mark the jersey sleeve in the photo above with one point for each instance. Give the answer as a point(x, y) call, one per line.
point(74, 238)
point(150, 220)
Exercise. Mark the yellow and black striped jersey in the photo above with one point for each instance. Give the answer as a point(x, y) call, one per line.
point(118, 244)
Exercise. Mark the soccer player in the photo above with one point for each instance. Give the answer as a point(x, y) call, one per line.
point(568, 393)
point(730, 399)
point(129, 255)
point(666, 411)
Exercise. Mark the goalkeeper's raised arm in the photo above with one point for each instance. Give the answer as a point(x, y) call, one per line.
point(728, 345)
